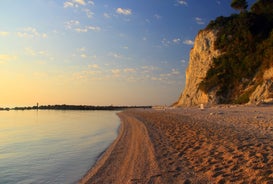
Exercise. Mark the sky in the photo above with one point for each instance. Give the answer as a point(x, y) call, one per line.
point(99, 52)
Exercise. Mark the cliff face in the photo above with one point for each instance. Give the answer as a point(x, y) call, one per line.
point(201, 58)
point(232, 60)
point(264, 91)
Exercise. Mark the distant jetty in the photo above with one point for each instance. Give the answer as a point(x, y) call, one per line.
point(74, 107)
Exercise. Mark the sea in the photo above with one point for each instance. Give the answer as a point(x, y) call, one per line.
point(52, 146)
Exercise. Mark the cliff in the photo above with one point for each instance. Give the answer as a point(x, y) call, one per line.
point(232, 60)
point(201, 59)
point(263, 93)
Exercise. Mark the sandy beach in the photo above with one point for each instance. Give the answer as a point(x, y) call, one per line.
point(222, 144)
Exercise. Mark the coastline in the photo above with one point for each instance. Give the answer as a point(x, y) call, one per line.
point(189, 145)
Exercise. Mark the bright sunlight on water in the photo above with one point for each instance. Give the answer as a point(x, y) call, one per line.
point(52, 146)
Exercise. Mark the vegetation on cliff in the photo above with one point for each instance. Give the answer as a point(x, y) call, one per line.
point(246, 41)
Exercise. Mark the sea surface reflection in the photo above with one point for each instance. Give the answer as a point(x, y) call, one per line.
point(52, 146)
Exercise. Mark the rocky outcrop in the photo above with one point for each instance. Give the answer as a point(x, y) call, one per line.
point(264, 92)
point(201, 58)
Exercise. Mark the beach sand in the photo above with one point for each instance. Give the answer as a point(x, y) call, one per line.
point(222, 144)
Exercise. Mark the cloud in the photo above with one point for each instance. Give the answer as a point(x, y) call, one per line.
point(88, 12)
point(31, 52)
point(4, 33)
point(76, 3)
point(176, 40)
point(106, 15)
point(82, 49)
point(94, 28)
point(6, 57)
point(91, 2)
point(117, 55)
point(182, 2)
point(81, 30)
point(129, 70)
point(68, 4)
point(124, 11)
point(83, 56)
point(165, 42)
point(30, 32)
point(156, 16)
point(81, 2)
point(148, 69)
point(116, 72)
point(188, 42)
point(175, 72)
point(199, 21)
point(72, 23)
point(93, 66)
point(75, 25)
point(87, 74)
point(183, 61)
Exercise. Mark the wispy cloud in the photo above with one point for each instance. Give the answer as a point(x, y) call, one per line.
point(176, 40)
point(165, 42)
point(91, 2)
point(94, 28)
point(156, 16)
point(106, 15)
point(30, 32)
point(129, 70)
point(75, 25)
point(71, 24)
point(93, 66)
point(183, 61)
point(4, 33)
point(115, 55)
point(175, 72)
point(87, 74)
point(6, 57)
point(32, 52)
point(182, 2)
point(80, 3)
point(188, 42)
point(83, 56)
point(149, 68)
point(68, 4)
point(119, 56)
point(199, 21)
point(76, 3)
point(88, 12)
point(123, 11)
point(87, 28)
point(116, 72)
point(82, 49)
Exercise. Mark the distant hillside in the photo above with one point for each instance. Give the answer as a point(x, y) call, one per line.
point(242, 69)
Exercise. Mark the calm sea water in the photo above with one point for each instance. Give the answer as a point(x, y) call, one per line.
point(52, 146)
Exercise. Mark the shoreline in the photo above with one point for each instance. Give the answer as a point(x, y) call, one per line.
point(102, 157)
point(214, 145)
point(119, 163)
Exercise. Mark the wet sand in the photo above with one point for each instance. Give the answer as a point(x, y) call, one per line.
point(189, 145)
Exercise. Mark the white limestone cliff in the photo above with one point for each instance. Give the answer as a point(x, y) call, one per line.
point(201, 58)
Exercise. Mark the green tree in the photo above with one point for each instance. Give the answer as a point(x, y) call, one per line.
point(240, 5)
